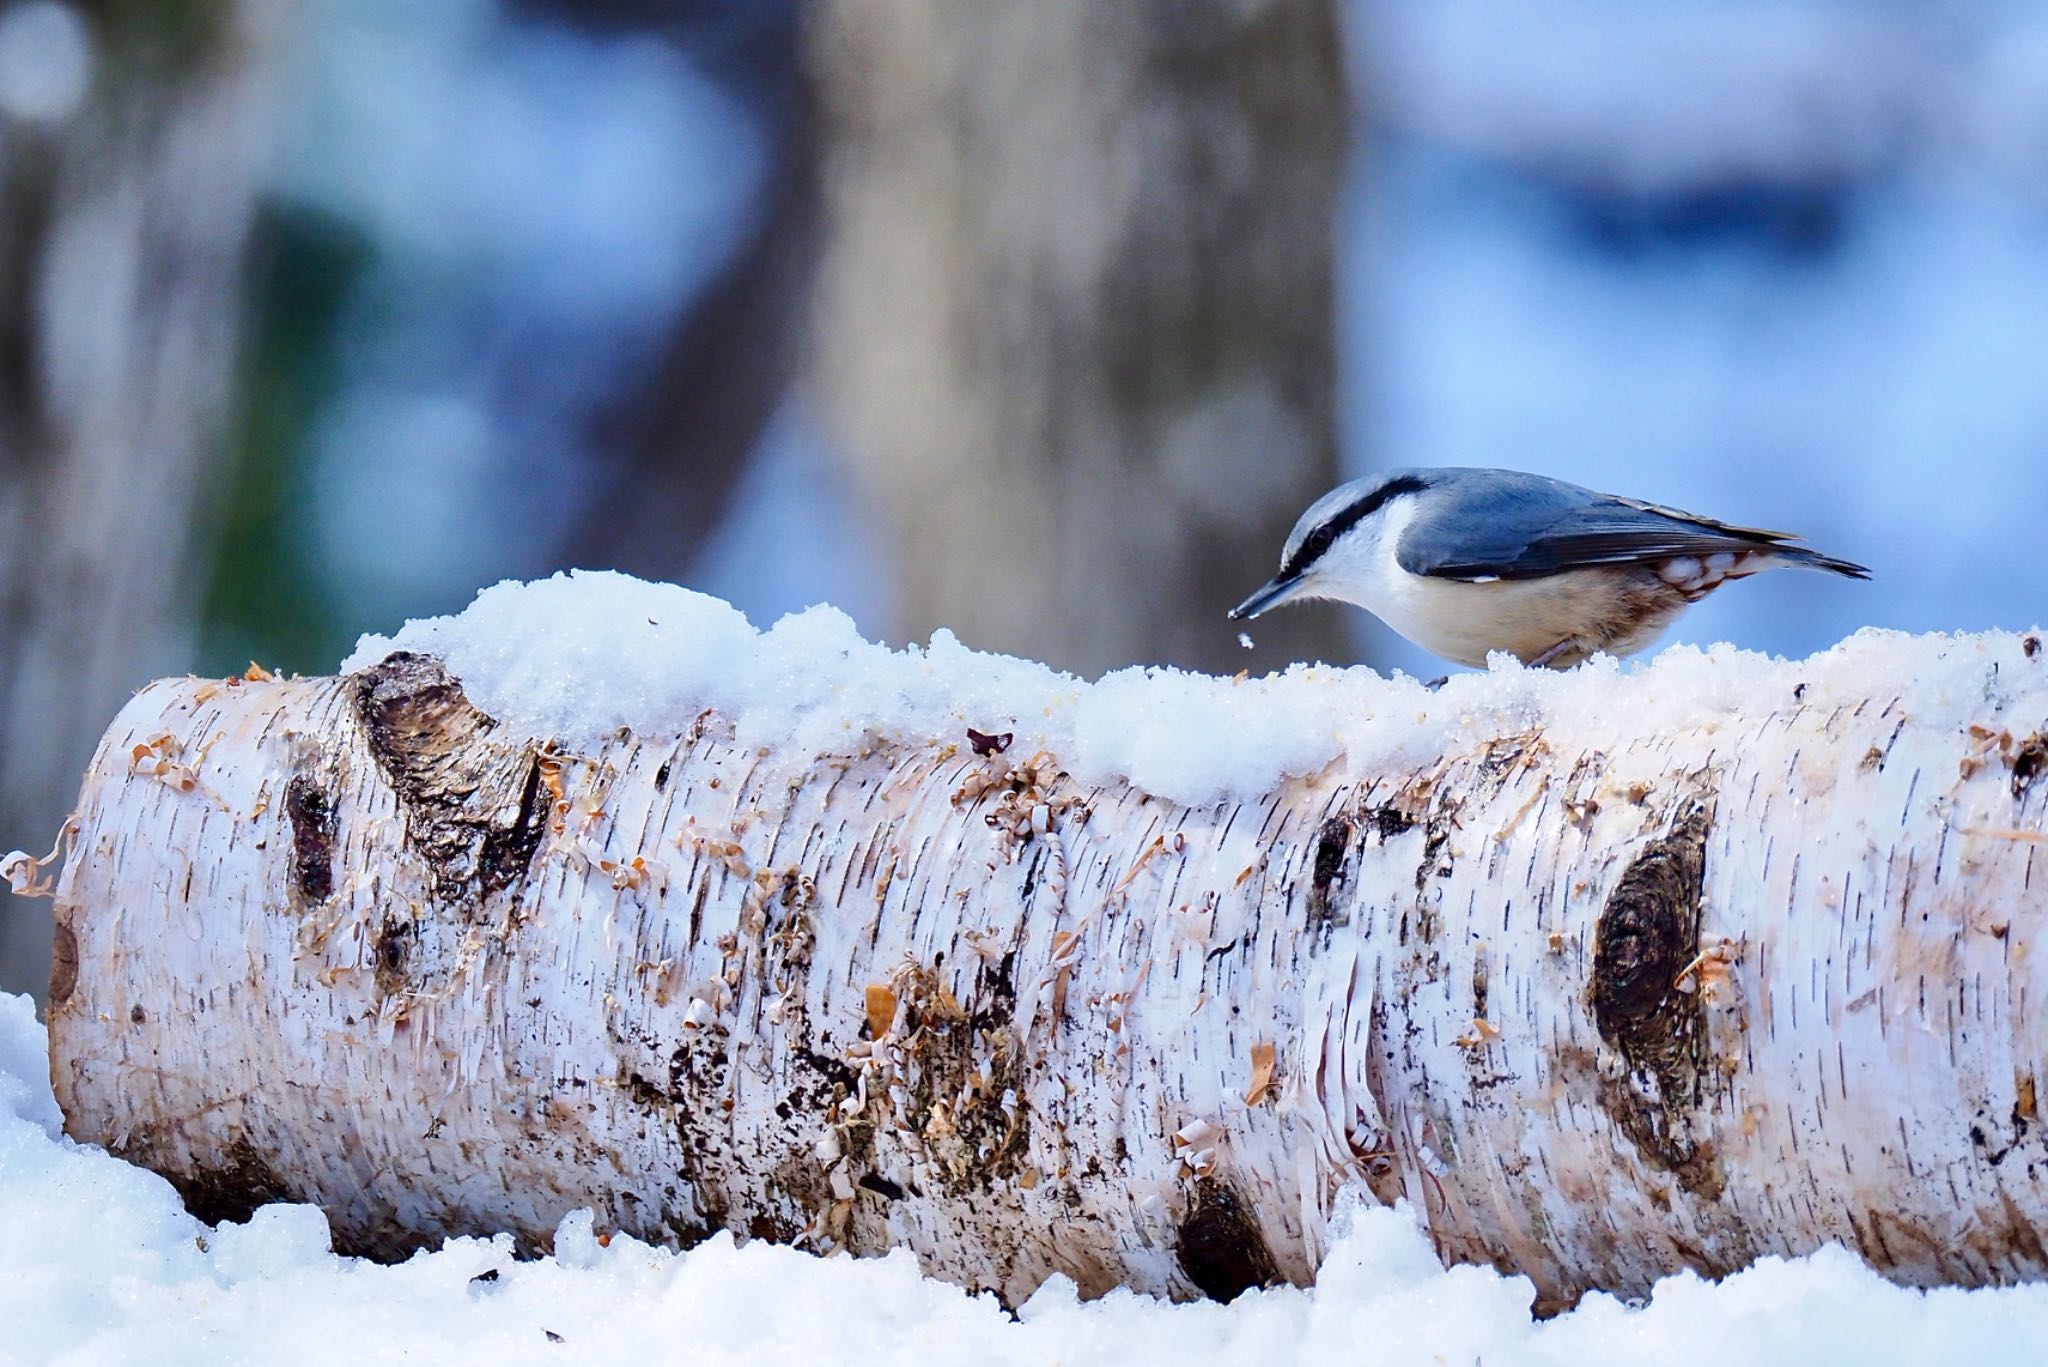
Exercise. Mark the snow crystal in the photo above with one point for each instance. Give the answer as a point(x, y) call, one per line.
point(579, 656)
point(99, 1263)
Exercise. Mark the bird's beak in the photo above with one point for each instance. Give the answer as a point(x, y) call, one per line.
point(1271, 595)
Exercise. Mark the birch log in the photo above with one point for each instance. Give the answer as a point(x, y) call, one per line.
point(1598, 1011)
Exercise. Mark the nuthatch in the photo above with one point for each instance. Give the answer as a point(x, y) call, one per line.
point(1466, 561)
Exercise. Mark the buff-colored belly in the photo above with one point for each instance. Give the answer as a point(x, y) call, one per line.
point(1619, 610)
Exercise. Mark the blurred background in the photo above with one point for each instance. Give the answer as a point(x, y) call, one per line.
point(1040, 322)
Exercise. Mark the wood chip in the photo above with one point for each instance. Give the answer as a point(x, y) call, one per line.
point(881, 1009)
point(1263, 1058)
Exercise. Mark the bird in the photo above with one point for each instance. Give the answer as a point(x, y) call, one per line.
point(1466, 561)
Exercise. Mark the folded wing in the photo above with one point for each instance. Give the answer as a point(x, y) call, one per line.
point(1529, 527)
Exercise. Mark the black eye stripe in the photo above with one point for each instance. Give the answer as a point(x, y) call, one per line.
point(1323, 537)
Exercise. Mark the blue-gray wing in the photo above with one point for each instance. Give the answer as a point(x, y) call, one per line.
point(1501, 525)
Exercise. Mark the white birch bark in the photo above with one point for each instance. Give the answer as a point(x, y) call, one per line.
point(1599, 1012)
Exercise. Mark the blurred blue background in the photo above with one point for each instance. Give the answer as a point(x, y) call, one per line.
point(319, 316)
point(1781, 263)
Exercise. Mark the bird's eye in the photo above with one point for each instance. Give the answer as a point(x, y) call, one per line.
point(1310, 550)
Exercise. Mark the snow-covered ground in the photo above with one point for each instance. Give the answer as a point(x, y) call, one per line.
point(99, 1263)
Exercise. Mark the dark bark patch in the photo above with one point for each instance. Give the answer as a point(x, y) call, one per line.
point(421, 730)
point(63, 964)
point(311, 815)
point(1333, 846)
point(971, 1141)
point(508, 850)
point(995, 994)
point(1436, 835)
point(689, 1102)
point(772, 1228)
point(1437, 860)
point(2029, 763)
point(1647, 934)
point(1219, 1247)
point(418, 720)
point(393, 944)
point(474, 807)
point(881, 1186)
point(697, 1071)
point(1992, 1155)
point(231, 1190)
point(1388, 821)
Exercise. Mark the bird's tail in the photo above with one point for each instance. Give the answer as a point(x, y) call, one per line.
point(1814, 560)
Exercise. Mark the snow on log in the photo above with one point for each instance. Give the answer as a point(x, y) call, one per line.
point(1606, 973)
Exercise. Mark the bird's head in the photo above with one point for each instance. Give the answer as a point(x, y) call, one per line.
point(1340, 546)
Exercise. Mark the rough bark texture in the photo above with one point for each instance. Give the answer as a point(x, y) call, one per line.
point(123, 237)
point(1075, 320)
point(1674, 1000)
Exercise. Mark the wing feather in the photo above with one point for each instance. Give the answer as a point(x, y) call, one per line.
point(1528, 527)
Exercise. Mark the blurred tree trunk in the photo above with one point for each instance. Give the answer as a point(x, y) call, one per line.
point(676, 447)
point(1074, 325)
point(123, 229)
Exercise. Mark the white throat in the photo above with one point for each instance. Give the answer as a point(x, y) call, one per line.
point(1360, 568)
